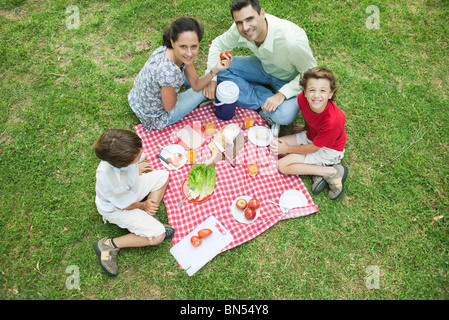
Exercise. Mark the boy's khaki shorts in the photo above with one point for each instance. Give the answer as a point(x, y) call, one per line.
point(323, 157)
point(138, 221)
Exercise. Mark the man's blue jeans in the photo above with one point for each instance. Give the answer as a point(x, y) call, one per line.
point(251, 78)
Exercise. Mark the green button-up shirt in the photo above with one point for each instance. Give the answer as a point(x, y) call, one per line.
point(284, 54)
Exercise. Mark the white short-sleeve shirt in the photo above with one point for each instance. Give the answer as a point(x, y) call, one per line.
point(116, 187)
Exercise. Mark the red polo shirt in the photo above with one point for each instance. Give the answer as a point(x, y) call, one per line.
point(325, 129)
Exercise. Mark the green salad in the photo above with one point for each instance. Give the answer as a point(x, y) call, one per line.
point(202, 180)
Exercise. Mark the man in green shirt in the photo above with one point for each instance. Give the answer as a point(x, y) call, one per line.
point(281, 53)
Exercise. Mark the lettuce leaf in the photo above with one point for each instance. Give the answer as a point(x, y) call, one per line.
point(203, 179)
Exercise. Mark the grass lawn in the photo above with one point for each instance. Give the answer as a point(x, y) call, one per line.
point(61, 87)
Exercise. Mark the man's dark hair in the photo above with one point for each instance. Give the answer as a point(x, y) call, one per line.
point(237, 5)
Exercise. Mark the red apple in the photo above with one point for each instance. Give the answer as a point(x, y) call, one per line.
point(250, 214)
point(254, 204)
point(225, 53)
point(241, 204)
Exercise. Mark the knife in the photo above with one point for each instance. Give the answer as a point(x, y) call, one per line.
point(223, 152)
point(165, 160)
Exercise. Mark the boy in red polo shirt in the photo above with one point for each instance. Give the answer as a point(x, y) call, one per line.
point(319, 146)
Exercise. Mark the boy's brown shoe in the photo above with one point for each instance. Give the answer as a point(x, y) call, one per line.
point(169, 232)
point(336, 182)
point(107, 256)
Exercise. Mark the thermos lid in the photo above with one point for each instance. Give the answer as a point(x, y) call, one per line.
point(227, 92)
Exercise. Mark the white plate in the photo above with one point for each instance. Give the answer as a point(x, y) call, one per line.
point(255, 136)
point(292, 199)
point(175, 148)
point(239, 215)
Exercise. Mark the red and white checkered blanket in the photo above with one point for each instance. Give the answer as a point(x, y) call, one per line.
point(231, 183)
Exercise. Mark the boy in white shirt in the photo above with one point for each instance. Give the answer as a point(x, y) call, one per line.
point(126, 196)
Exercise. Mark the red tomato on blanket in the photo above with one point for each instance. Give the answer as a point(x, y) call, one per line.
point(203, 233)
point(196, 241)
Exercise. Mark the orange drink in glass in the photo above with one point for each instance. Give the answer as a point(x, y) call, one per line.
point(249, 122)
point(209, 126)
point(191, 156)
point(253, 168)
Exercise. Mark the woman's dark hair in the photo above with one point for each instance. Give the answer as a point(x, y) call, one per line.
point(238, 5)
point(118, 147)
point(181, 25)
point(319, 73)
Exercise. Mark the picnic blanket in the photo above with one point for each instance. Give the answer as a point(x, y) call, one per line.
point(231, 182)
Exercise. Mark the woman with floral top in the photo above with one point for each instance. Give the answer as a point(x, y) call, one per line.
point(155, 97)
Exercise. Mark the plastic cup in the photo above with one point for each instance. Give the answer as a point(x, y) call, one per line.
point(249, 122)
point(209, 126)
point(253, 168)
point(191, 156)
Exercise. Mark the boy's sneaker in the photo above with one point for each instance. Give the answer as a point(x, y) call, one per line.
point(169, 231)
point(107, 256)
point(336, 182)
point(275, 127)
point(266, 118)
point(318, 184)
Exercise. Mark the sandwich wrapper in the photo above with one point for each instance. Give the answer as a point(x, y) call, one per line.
point(192, 258)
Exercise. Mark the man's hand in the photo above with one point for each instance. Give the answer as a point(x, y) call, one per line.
point(273, 102)
point(209, 90)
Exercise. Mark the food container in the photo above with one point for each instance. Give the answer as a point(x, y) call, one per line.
point(226, 100)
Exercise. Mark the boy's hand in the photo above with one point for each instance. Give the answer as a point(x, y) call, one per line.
point(150, 207)
point(144, 166)
point(278, 147)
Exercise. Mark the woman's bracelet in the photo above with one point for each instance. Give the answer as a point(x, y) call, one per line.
point(212, 73)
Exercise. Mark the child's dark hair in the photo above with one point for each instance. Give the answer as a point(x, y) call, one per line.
point(181, 25)
point(118, 147)
point(238, 5)
point(319, 73)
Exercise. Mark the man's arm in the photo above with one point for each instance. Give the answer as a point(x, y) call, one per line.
point(226, 41)
point(300, 55)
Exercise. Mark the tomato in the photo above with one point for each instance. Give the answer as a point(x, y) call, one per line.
point(250, 214)
point(241, 204)
point(196, 241)
point(203, 233)
point(225, 53)
point(254, 204)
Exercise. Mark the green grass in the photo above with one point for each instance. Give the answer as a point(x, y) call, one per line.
point(61, 88)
